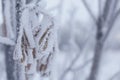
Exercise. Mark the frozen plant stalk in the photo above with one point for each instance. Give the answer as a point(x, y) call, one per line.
point(36, 40)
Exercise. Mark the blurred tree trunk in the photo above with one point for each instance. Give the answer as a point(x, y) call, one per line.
point(8, 49)
point(105, 20)
point(98, 52)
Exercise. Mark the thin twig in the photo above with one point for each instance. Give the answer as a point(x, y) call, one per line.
point(115, 75)
point(100, 11)
point(106, 9)
point(110, 24)
point(82, 66)
point(89, 10)
point(74, 60)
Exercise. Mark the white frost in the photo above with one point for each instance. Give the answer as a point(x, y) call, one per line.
point(6, 41)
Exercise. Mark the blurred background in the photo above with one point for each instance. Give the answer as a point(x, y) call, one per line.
point(76, 33)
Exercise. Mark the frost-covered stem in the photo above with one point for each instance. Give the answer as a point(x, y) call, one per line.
point(13, 18)
point(8, 49)
point(34, 40)
point(6, 41)
point(19, 72)
point(7, 18)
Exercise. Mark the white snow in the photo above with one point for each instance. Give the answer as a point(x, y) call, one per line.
point(6, 41)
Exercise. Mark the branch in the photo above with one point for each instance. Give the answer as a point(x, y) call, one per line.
point(82, 66)
point(115, 75)
point(27, 29)
point(78, 68)
point(100, 6)
point(110, 7)
point(110, 24)
point(106, 10)
point(74, 60)
point(6, 41)
point(89, 10)
point(117, 14)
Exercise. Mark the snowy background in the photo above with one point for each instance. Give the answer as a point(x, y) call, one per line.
point(76, 42)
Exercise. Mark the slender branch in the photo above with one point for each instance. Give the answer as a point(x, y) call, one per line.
point(115, 75)
point(110, 24)
point(106, 8)
point(74, 60)
point(6, 41)
point(89, 10)
point(117, 13)
point(82, 66)
point(109, 19)
point(109, 10)
point(100, 4)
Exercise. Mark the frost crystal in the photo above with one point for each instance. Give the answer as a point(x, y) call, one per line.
point(35, 43)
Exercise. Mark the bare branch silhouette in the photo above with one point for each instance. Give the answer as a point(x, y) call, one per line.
point(111, 24)
point(89, 10)
point(74, 61)
point(105, 19)
point(83, 65)
point(115, 75)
